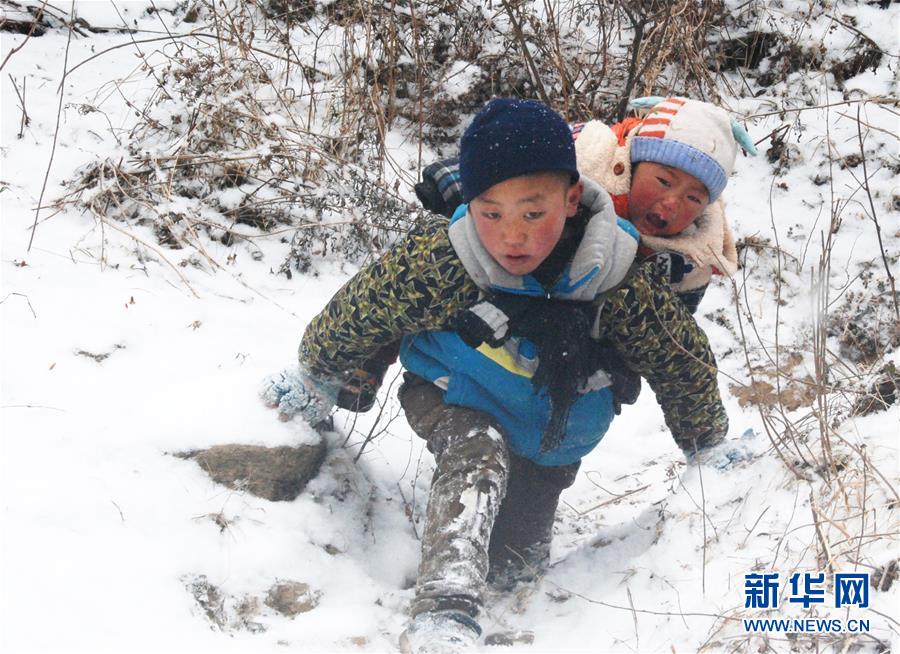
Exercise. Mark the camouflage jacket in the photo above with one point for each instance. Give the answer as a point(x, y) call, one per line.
point(420, 285)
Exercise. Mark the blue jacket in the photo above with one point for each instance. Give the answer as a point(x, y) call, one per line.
point(498, 380)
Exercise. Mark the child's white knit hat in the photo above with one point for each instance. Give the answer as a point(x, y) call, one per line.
point(690, 135)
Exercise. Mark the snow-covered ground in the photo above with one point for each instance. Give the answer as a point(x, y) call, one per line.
point(108, 540)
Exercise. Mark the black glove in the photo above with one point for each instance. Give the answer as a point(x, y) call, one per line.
point(483, 323)
point(358, 393)
point(671, 266)
point(440, 190)
point(625, 383)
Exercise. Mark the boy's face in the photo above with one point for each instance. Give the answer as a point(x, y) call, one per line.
point(520, 220)
point(664, 200)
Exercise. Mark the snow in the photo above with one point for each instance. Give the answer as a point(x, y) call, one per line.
point(103, 530)
point(460, 78)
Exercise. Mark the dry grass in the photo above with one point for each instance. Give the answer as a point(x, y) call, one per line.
point(809, 382)
point(252, 133)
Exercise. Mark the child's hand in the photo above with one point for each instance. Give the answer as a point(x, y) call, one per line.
point(294, 393)
point(725, 455)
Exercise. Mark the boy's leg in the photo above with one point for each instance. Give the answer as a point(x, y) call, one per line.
point(466, 491)
point(520, 541)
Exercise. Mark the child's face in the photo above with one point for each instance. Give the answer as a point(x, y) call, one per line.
point(520, 220)
point(664, 200)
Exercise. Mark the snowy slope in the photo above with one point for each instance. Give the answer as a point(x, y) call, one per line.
point(115, 355)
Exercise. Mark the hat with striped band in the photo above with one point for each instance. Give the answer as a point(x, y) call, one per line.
point(690, 135)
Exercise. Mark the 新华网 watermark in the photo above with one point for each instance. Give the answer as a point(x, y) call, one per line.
point(849, 589)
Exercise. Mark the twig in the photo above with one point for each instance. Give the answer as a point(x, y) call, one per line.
point(637, 633)
point(632, 609)
point(751, 530)
point(26, 299)
point(638, 26)
point(557, 55)
point(771, 135)
point(677, 599)
point(158, 252)
point(372, 435)
point(32, 406)
point(119, 509)
point(762, 414)
point(893, 135)
point(787, 530)
point(778, 283)
point(857, 448)
point(876, 99)
point(862, 35)
point(884, 615)
point(865, 481)
point(523, 45)
point(868, 190)
point(61, 92)
point(140, 53)
point(34, 25)
point(612, 500)
point(133, 42)
point(703, 509)
point(820, 318)
point(410, 511)
point(25, 119)
point(813, 507)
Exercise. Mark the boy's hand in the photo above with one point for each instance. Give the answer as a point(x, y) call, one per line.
point(294, 393)
point(725, 455)
point(483, 323)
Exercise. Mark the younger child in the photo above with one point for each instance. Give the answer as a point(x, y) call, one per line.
point(666, 173)
point(501, 313)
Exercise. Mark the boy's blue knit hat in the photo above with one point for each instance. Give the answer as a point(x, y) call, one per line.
point(693, 136)
point(509, 138)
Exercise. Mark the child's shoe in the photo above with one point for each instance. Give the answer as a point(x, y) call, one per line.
point(440, 632)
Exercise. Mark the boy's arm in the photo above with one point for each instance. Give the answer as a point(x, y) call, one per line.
point(416, 286)
point(656, 335)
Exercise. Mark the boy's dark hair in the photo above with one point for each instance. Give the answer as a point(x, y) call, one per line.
point(509, 138)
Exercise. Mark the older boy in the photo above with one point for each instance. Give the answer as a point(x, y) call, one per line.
point(501, 312)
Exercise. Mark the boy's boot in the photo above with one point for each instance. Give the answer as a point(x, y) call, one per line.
point(440, 632)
